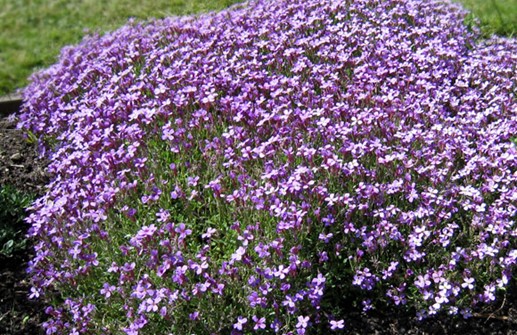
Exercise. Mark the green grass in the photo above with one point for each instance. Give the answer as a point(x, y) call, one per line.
point(496, 16)
point(32, 32)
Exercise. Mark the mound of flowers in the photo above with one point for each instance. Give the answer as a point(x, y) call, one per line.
point(270, 167)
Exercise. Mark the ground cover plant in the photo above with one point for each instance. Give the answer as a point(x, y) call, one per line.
point(270, 167)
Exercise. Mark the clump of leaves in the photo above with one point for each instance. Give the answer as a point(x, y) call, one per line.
point(12, 212)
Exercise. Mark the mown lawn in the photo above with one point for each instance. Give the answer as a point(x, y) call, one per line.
point(496, 16)
point(32, 32)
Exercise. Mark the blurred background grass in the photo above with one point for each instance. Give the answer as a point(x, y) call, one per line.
point(32, 32)
point(497, 16)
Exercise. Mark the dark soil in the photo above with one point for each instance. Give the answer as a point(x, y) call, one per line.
point(18, 314)
point(499, 319)
point(21, 167)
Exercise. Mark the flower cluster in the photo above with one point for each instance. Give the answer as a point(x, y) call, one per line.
point(264, 168)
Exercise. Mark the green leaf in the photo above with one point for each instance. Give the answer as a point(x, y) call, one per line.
point(8, 248)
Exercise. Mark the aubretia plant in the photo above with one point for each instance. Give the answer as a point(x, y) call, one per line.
point(267, 168)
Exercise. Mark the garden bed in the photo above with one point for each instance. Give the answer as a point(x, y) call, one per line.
point(9, 104)
point(19, 167)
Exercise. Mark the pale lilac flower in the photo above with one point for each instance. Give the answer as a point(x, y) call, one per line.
point(241, 321)
point(260, 323)
point(337, 324)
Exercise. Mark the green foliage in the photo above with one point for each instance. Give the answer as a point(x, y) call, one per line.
point(496, 16)
point(12, 211)
point(31, 138)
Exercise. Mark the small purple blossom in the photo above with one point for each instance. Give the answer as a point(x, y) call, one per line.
point(241, 321)
point(303, 323)
point(260, 323)
point(182, 230)
point(107, 290)
point(337, 324)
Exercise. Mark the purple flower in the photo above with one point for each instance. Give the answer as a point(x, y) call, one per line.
point(209, 233)
point(241, 321)
point(35, 293)
point(182, 230)
point(194, 316)
point(260, 323)
point(335, 325)
point(107, 289)
point(303, 322)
